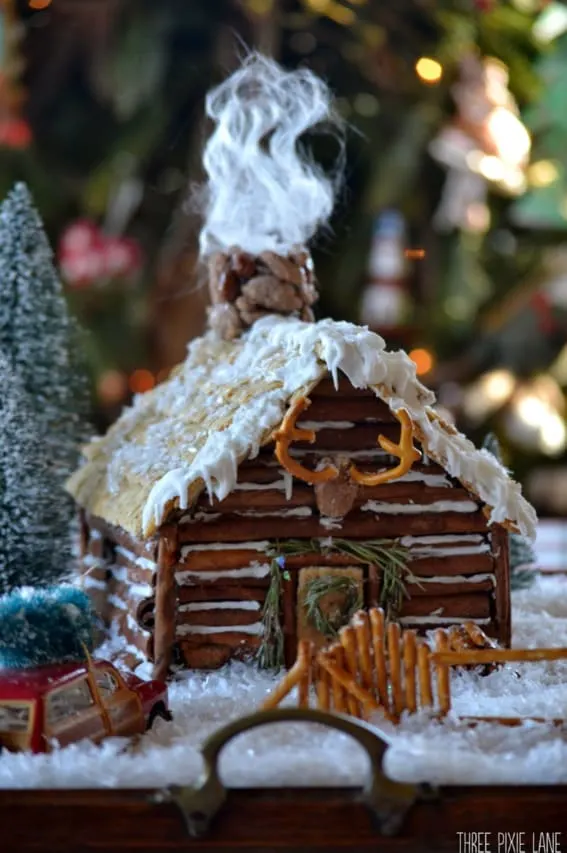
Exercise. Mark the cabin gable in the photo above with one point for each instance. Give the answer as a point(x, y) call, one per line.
point(219, 571)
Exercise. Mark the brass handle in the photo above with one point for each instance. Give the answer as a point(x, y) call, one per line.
point(389, 801)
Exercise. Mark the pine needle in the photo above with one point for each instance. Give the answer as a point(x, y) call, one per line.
point(388, 555)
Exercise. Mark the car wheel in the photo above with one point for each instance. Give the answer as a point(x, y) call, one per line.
point(160, 711)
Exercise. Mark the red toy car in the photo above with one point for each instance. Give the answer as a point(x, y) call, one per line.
point(65, 702)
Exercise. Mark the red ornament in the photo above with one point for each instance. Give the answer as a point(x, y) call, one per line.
point(15, 133)
point(86, 255)
point(484, 5)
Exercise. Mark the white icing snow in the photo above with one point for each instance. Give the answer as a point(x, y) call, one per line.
point(94, 534)
point(256, 630)
point(309, 350)
point(219, 605)
point(254, 570)
point(385, 508)
point(303, 754)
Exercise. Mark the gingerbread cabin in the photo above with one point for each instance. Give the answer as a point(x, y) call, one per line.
point(274, 484)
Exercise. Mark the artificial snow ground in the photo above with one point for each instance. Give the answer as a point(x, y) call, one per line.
point(304, 754)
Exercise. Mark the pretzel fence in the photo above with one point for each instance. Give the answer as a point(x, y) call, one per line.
point(375, 666)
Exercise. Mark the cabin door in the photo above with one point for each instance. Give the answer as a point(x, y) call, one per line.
point(326, 600)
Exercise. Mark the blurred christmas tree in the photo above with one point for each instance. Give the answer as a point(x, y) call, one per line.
point(459, 108)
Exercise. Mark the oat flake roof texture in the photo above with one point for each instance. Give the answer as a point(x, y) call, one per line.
point(223, 403)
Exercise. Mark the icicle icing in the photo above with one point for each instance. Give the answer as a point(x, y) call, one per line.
point(306, 352)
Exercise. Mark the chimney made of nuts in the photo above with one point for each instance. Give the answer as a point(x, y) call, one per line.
point(244, 288)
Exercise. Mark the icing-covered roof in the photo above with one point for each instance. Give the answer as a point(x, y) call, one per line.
point(224, 402)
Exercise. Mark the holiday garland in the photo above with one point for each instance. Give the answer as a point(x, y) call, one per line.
point(390, 556)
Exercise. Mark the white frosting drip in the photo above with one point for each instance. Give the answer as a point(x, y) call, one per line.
point(422, 477)
point(309, 351)
point(143, 562)
point(331, 523)
point(452, 579)
point(254, 570)
point(92, 583)
point(384, 508)
point(119, 573)
point(288, 480)
point(117, 602)
point(318, 425)
point(441, 620)
point(260, 545)
point(473, 538)
point(277, 485)
point(133, 625)
point(195, 606)
point(299, 511)
point(257, 629)
point(200, 516)
point(140, 590)
point(93, 562)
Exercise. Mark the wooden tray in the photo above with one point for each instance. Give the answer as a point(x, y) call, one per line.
point(384, 816)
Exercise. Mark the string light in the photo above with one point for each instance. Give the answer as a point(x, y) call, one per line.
point(140, 381)
point(366, 104)
point(422, 359)
point(489, 393)
point(303, 42)
point(259, 7)
point(38, 5)
point(319, 6)
point(111, 387)
point(340, 14)
point(543, 173)
point(414, 254)
point(429, 70)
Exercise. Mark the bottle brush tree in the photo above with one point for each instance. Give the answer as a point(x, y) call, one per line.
point(42, 365)
point(522, 555)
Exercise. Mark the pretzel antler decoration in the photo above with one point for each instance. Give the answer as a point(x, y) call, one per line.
point(405, 451)
point(286, 434)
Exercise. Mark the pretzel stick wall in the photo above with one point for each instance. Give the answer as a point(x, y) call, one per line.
point(377, 667)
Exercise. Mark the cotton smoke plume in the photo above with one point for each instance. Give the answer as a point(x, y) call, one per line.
point(264, 192)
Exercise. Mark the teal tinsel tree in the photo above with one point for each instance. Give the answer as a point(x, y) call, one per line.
point(522, 555)
point(44, 626)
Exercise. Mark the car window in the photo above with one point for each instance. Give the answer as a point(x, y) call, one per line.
point(15, 716)
point(68, 700)
point(106, 682)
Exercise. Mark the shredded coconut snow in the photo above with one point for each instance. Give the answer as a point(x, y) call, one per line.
point(301, 754)
point(310, 350)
